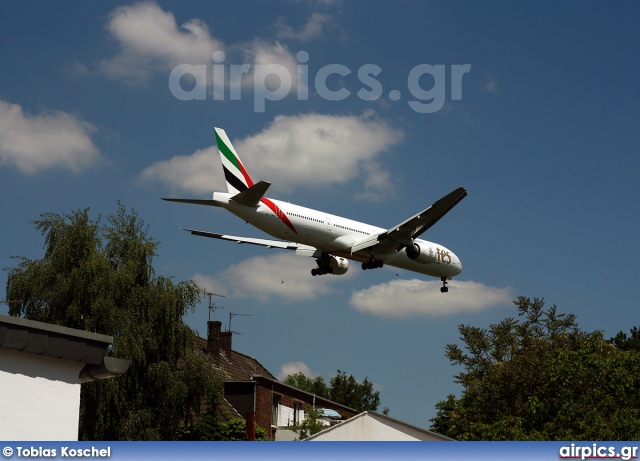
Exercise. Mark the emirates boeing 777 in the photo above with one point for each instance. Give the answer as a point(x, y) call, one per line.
point(331, 240)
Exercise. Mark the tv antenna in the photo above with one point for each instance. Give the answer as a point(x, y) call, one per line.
point(212, 305)
point(232, 315)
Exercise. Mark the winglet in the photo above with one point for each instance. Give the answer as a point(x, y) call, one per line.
point(252, 196)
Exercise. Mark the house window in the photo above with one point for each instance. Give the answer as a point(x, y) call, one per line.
point(274, 409)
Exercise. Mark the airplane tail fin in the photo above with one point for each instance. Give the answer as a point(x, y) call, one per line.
point(238, 180)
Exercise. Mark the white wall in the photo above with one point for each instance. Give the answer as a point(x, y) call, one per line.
point(39, 398)
point(371, 427)
point(286, 416)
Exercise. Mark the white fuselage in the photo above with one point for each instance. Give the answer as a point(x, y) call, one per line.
point(334, 235)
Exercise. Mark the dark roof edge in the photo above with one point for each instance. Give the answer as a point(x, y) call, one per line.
point(50, 328)
point(275, 381)
point(30, 336)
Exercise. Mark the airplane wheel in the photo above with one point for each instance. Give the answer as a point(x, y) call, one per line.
point(314, 272)
point(364, 266)
point(444, 290)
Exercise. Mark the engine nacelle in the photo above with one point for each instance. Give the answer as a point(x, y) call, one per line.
point(421, 253)
point(338, 264)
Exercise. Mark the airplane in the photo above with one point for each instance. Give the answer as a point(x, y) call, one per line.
point(331, 240)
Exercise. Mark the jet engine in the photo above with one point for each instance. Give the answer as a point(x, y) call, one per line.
point(329, 264)
point(338, 264)
point(421, 253)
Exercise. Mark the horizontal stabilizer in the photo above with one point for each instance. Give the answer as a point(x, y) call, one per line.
point(252, 195)
point(193, 201)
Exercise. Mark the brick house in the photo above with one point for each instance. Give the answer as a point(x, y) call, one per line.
point(250, 389)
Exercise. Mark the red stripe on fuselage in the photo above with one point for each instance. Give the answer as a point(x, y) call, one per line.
point(278, 212)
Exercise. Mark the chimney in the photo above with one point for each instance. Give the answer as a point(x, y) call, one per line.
point(213, 338)
point(225, 344)
point(250, 428)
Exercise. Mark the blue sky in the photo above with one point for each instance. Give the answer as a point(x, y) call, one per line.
point(543, 131)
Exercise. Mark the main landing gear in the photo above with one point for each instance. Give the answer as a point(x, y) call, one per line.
point(322, 271)
point(444, 288)
point(324, 266)
point(372, 264)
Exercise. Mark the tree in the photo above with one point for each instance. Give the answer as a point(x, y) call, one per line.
point(236, 430)
point(310, 424)
point(541, 378)
point(627, 343)
point(347, 391)
point(99, 277)
point(315, 386)
point(343, 389)
point(210, 429)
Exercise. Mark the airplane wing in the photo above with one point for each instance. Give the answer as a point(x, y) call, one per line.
point(300, 249)
point(403, 234)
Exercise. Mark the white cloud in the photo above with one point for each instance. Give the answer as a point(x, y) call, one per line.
point(309, 150)
point(211, 284)
point(291, 368)
point(199, 172)
point(284, 276)
point(149, 39)
point(311, 30)
point(316, 150)
point(34, 143)
point(272, 58)
point(405, 298)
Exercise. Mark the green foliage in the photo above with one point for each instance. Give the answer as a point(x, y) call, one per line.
point(627, 343)
point(99, 277)
point(541, 378)
point(315, 386)
point(347, 391)
point(209, 429)
point(235, 430)
point(343, 389)
point(310, 424)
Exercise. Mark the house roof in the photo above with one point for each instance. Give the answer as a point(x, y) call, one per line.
point(64, 343)
point(342, 410)
point(373, 426)
point(240, 367)
point(226, 412)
